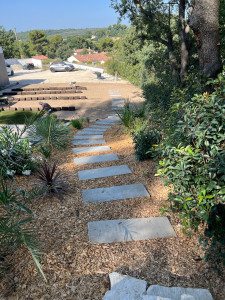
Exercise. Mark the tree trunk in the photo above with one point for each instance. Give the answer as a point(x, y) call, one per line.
point(172, 58)
point(183, 32)
point(204, 21)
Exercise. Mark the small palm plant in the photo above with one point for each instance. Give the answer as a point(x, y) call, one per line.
point(51, 182)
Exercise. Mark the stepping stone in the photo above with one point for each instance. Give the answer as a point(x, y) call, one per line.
point(96, 129)
point(95, 159)
point(99, 126)
point(88, 137)
point(115, 193)
point(103, 172)
point(91, 149)
point(176, 293)
point(105, 122)
point(94, 132)
point(126, 230)
point(118, 105)
point(89, 142)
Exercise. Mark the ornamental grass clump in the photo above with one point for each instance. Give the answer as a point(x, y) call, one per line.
point(50, 132)
point(51, 182)
point(16, 228)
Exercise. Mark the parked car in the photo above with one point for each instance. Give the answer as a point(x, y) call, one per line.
point(9, 70)
point(28, 66)
point(61, 66)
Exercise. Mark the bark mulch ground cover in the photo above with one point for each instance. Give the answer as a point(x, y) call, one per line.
point(77, 269)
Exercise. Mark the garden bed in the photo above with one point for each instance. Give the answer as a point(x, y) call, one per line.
point(77, 269)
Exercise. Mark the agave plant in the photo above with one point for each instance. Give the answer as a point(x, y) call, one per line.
point(51, 182)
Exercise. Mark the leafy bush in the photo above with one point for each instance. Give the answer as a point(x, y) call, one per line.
point(14, 219)
point(49, 132)
point(145, 140)
point(51, 182)
point(193, 157)
point(76, 123)
point(16, 153)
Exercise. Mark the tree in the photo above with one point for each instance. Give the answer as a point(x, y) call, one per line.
point(54, 43)
point(204, 21)
point(105, 44)
point(25, 49)
point(8, 43)
point(63, 52)
point(152, 14)
point(39, 42)
point(78, 42)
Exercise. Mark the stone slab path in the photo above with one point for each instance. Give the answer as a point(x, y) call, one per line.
point(82, 132)
point(103, 172)
point(95, 159)
point(99, 126)
point(91, 149)
point(88, 142)
point(110, 231)
point(125, 230)
point(89, 137)
point(115, 193)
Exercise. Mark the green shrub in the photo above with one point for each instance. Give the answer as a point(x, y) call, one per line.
point(16, 153)
point(193, 157)
point(145, 140)
point(77, 123)
point(50, 132)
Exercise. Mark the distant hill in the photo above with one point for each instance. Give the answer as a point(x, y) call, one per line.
point(64, 32)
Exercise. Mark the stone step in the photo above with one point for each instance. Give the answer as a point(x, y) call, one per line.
point(95, 159)
point(88, 137)
point(105, 123)
point(94, 129)
point(115, 193)
point(94, 132)
point(89, 142)
point(91, 149)
point(104, 172)
point(99, 126)
point(126, 230)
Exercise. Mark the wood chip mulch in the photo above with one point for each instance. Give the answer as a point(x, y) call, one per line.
point(77, 269)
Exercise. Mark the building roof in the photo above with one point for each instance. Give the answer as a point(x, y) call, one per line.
point(92, 57)
point(80, 50)
point(41, 57)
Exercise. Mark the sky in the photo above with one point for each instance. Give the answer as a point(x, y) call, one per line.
point(56, 14)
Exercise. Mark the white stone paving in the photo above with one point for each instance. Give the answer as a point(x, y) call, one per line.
point(88, 137)
point(115, 193)
point(91, 149)
point(103, 172)
point(126, 230)
point(95, 159)
point(88, 142)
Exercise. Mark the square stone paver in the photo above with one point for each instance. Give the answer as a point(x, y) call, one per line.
point(88, 137)
point(100, 126)
point(115, 193)
point(81, 132)
point(125, 230)
point(95, 159)
point(94, 129)
point(91, 149)
point(103, 172)
point(89, 142)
